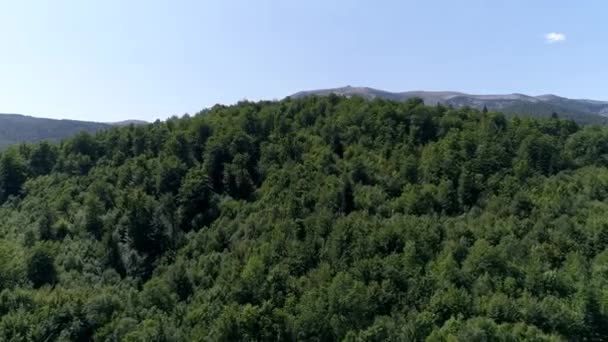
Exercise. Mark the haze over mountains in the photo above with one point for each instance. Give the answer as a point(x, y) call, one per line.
point(16, 128)
point(580, 110)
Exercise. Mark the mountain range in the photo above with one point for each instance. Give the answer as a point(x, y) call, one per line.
point(580, 110)
point(16, 128)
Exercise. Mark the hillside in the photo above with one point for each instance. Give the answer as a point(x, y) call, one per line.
point(15, 128)
point(582, 111)
point(313, 219)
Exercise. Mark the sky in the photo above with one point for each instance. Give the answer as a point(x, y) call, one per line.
point(114, 60)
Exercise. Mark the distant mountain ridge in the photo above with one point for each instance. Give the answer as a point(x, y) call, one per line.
point(128, 122)
point(580, 110)
point(17, 128)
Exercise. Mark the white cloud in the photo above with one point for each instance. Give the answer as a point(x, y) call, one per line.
point(554, 37)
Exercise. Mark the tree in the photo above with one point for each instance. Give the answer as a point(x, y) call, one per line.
point(196, 199)
point(12, 174)
point(43, 158)
point(45, 224)
point(41, 268)
point(93, 210)
point(169, 174)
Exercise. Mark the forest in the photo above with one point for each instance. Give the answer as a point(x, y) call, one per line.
point(312, 219)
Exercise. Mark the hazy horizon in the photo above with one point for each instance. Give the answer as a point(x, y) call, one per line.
point(115, 61)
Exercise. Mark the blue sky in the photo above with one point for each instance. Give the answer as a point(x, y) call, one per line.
point(115, 59)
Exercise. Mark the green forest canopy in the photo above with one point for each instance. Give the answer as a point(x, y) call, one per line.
point(317, 219)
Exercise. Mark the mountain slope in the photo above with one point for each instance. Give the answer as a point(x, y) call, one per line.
point(16, 128)
point(582, 111)
point(318, 219)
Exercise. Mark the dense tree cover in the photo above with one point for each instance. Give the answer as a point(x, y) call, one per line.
point(317, 219)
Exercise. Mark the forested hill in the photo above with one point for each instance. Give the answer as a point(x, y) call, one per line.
point(15, 128)
point(317, 219)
